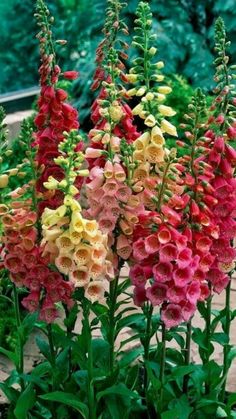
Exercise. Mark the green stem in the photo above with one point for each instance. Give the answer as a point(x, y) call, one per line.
point(227, 346)
point(162, 362)
point(69, 334)
point(208, 341)
point(87, 329)
point(147, 343)
point(20, 366)
point(53, 365)
point(52, 353)
point(112, 326)
point(187, 354)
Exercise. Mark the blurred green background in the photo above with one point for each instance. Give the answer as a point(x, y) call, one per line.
point(185, 41)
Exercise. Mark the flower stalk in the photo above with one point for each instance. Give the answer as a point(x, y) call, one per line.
point(20, 364)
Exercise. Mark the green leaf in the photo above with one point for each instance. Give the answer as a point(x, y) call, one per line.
point(129, 356)
point(182, 406)
point(25, 402)
point(68, 399)
point(43, 347)
point(231, 401)
point(221, 338)
point(119, 389)
point(10, 355)
point(28, 325)
point(221, 413)
point(232, 354)
point(129, 320)
point(11, 393)
point(178, 373)
point(170, 414)
point(70, 320)
point(100, 353)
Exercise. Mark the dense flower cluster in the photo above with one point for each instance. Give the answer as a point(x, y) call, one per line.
point(192, 198)
point(23, 258)
point(77, 247)
point(112, 203)
point(111, 197)
point(54, 117)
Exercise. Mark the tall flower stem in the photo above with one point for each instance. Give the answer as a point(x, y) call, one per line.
point(112, 327)
point(162, 362)
point(90, 383)
point(53, 365)
point(52, 354)
point(187, 354)
point(227, 346)
point(20, 366)
point(146, 343)
point(208, 340)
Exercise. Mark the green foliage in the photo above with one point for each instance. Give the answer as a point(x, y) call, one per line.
point(7, 319)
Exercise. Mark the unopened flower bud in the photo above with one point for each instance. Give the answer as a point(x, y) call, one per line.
point(152, 51)
point(131, 92)
point(166, 110)
point(4, 179)
point(160, 97)
point(13, 172)
point(137, 109)
point(149, 96)
point(63, 183)
point(160, 64)
point(21, 175)
point(51, 184)
point(164, 90)
point(132, 78)
point(83, 173)
point(116, 113)
point(141, 91)
point(73, 190)
point(8, 153)
point(159, 77)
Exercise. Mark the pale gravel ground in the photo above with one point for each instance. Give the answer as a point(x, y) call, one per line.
point(31, 352)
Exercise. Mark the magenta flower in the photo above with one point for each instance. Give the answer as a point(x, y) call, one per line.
point(193, 292)
point(139, 296)
point(139, 250)
point(152, 244)
point(138, 276)
point(203, 244)
point(164, 236)
point(168, 253)
point(187, 310)
point(171, 315)
point(176, 294)
point(157, 293)
point(162, 271)
point(182, 276)
point(31, 302)
point(184, 258)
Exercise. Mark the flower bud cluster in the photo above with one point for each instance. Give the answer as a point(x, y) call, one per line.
point(55, 115)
